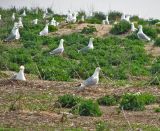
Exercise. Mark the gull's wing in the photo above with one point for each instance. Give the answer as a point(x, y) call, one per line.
point(143, 36)
point(56, 51)
point(85, 49)
point(10, 37)
point(90, 81)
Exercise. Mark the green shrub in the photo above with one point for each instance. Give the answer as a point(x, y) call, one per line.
point(133, 36)
point(101, 126)
point(121, 28)
point(52, 28)
point(99, 15)
point(157, 109)
point(148, 98)
point(132, 102)
point(107, 100)
point(68, 100)
point(114, 15)
point(151, 32)
point(89, 30)
point(157, 42)
point(87, 108)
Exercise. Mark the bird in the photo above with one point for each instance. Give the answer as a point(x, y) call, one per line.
point(69, 16)
point(24, 13)
point(37, 11)
point(88, 47)
point(13, 17)
point(20, 24)
point(127, 18)
point(141, 35)
point(14, 33)
point(0, 17)
point(35, 21)
point(74, 17)
point(133, 29)
point(20, 74)
point(53, 22)
point(106, 21)
point(123, 17)
point(93, 80)
point(44, 31)
point(82, 18)
point(44, 15)
point(58, 50)
point(46, 11)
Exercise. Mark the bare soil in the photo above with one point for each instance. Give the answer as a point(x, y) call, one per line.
point(58, 117)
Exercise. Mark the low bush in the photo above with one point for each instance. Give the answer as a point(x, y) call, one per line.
point(87, 108)
point(68, 100)
point(148, 98)
point(157, 109)
point(101, 126)
point(114, 15)
point(157, 42)
point(132, 102)
point(89, 30)
point(151, 32)
point(121, 28)
point(107, 100)
point(52, 28)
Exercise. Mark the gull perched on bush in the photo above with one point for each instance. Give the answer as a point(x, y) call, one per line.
point(133, 29)
point(13, 17)
point(124, 17)
point(59, 50)
point(20, 24)
point(20, 75)
point(44, 31)
point(106, 21)
point(14, 33)
point(93, 80)
point(141, 35)
point(35, 21)
point(89, 47)
point(24, 13)
point(69, 16)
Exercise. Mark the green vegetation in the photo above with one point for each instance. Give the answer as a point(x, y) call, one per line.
point(107, 100)
point(88, 30)
point(157, 109)
point(121, 28)
point(68, 100)
point(151, 32)
point(87, 108)
point(157, 42)
point(136, 101)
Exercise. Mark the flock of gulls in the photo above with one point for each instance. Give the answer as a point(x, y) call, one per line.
point(70, 18)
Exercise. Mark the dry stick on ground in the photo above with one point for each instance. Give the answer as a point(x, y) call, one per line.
point(126, 119)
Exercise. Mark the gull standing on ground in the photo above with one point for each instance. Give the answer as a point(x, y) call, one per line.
point(93, 80)
point(24, 13)
point(82, 18)
point(106, 21)
point(20, 24)
point(13, 17)
point(141, 35)
point(20, 74)
point(44, 31)
point(133, 29)
point(53, 22)
point(14, 33)
point(35, 21)
point(89, 47)
point(59, 50)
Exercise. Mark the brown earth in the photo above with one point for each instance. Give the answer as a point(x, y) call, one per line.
point(53, 117)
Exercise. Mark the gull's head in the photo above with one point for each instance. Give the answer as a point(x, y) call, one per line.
point(98, 69)
point(140, 27)
point(91, 39)
point(20, 18)
point(62, 40)
point(21, 67)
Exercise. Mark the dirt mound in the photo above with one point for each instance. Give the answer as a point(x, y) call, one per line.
point(102, 30)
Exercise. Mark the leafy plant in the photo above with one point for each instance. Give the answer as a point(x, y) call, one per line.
point(132, 102)
point(107, 100)
point(157, 109)
point(121, 28)
point(87, 108)
point(101, 126)
point(157, 42)
point(68, 100)
point(89, 30)
point(151, 32)
point(52, 28)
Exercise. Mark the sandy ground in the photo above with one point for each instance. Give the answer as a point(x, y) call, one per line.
point(56, 117)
